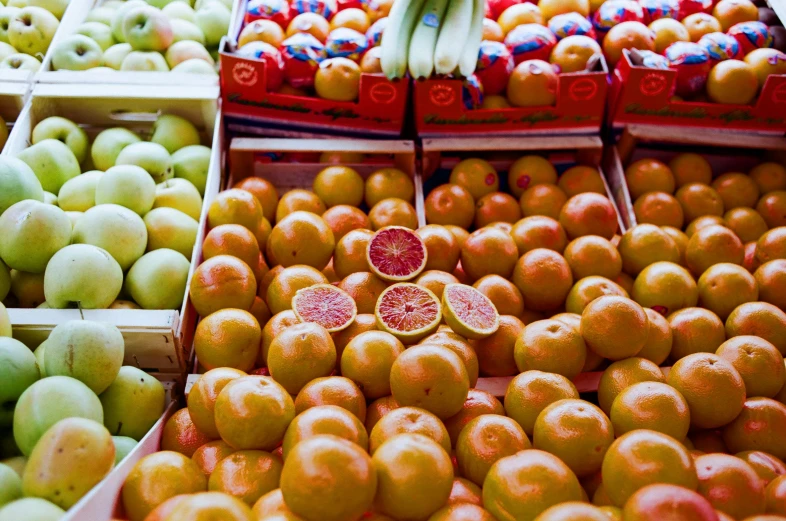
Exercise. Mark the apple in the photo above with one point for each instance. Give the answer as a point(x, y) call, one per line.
point(52, 162)
point(183, 30)
point(99, 32)
point(10, 485)
point(195, 67)
point(48, 401)
point(5, 282)
point(174, 132)
point(114, 56)
point(123, 447)
point(32, 233)
point(18, 371)
point(144, 61)
point(180, 11)
point(5, 320)
point(179, 194)
point(31, 508)
point(6, 49)
point(101, 14)
point(158, 279)
point(192, 163)
point(21, 62)
point(133, 403)
point(84, 275)
point(6, 14)
point(17, 183)
point(147, 29)
point(213, 19)
point(32, 29)
point(63, 130)
point(74, 217)
point(79, 194)
point(56, 7)
point(170, 228)
point(108, 144)
point(187, 50)
point(123, 304)
point(19, 4)
point(77, 52)
point(129, 186)
point(114, 228)
point(202, 3)
point(119, 15)
point(28, 288)
point(151, 156)
point(39, 356)
point(50, 198)
point(160, 4)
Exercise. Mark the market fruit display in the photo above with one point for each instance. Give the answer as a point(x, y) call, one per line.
point(86, 217)
point(26, 30)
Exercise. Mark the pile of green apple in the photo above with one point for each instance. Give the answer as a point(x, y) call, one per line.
point(153, 35)
point(27, 27)
point(69, 412)
point(110, 224)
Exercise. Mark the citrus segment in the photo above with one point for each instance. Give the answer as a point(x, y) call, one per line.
point(396, 253)
point(326, 305)
point(469, 312)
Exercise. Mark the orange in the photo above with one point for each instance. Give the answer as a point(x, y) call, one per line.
point(731, 12)
point(484, 441)
point(769, 177)
point(477, 176)
point(299, 354)
point(771, 245)
point(733, 82)
point(532, 391)
point(364, 288)
point(260, 311)
point(340, 158)
point(572, 54)
point(543, 199)
point(459, 345)
point(338, 79)
point(573, 511)
point(665, 287)
point(661, 501)
point(488, 251)
point(699, 24)
point(713, 245)
point(321, 420)
point(760, 319)
point(462, 512)
point(725, 286)
point(339, 185)
point(378, 409)
point(771, 206)
point(234, 240)
point(267, 278)
point(203, 394)
point(459, 233)
point(222, 282)
point(771, 280)
point(539, 232)
point(646, 244)
point(706, 380)
point(435, 281)
point(746, 223)
point(702, 222)
point(210, 505)
point(551, 346)
point(158, 477)
point(660, 209)
point(299, 200)
point(627, 35)
point(775, 494)
point(518, 14)
point(529, 171)
point(408, 420)
point(496, 207)
point(690, 168)
point(589, 214)
point(600, 497)
point(505, 296)
point(680, 238)
point(450, 204)
point(163, 510)
point(648, 175)
point(494, 102)
point(526, 484)
point(388, 182)
point(644, 457)
point(246, 475)
point(332, 390)
point(623, 374)
point(588, 289)
point(208, 455)
point(302, 238)
point(235, 207)
point(552, 8)
point(264, 191)
point(350, 253)
point(575, 431)
point(614, 327)
point(730, 485)
point(310, 23)
point(544, 279)
point(580, 179)
point(228, 338)
point(328, 478)
point(667, 32)
point(496, 352)
point(442, 246)
point(736, 189)
point(478, 403)
point(766, 466)
point(760, 426)
point(288, 282)
point(492, 31)
point(367, 360)
point(707, 441)
point(533, 83)
point(659, 339)
point(393, 212)
point(593, 255)
point(651, 405)
point(181, 435)
point(363, 322)
point(465, 491)
point(272, 329)
point(352, 18)
point(342, 219)
point(698, 199)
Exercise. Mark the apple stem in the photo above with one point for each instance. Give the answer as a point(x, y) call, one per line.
point(136, 361)
point(79, 307)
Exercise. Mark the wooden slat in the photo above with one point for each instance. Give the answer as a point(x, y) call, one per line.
point(493, 144)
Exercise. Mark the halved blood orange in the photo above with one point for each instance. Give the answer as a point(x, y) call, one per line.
point(326, 305)
point(396, 254)
point(408, 311)
point(469, 312)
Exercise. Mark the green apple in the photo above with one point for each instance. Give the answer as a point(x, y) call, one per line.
point(114, 228)
point(6, 14)
point(127, 185)
point(56, 7)
point(39, 353)
point(20, 62)
point(114, 56)
point(108, 144)
point(187, 50)
point(202, 3)
point(5, 282)
point(179, 194)
point(213, 19)
point(195, 67)
point(17, 464)
point(147, 29)
point(144, 62)
point(28, 288)
point(170, 228)
point(151, 156)
point(160, 4)
point(50, 198)
point(84, 275)
point(52, 162)
point(10, 485)
point(123, 447)
point(90, 351)
point(79, 193)
point(158, 279)
point(77, 52)
point(99, 32)
point(123, 304)
point(101, 14)
point(17, 183)
point(179, 11)
point(74, 217)
point(192, 163)
point(32, 233)
point(120, 13)
point(32, 508)
point(5, 320)
point(17, 3)
point(18, 371)
point(6, 49)
point(183, 30)
point(63, 130)
point(174, 132)
point(32, 29)
point(133, 403)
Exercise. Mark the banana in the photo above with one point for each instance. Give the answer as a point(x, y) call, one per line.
point(396, 37)
point(469, 55)
point(457, 24)
point(424, 39)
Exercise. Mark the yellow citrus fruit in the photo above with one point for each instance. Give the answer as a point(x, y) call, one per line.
point(388, 182)
point(496, 353)
point(766, 466)
point(573, 511)
point(730, 485)
point(713, 245)
point(663, 501)
point(771, 245)
point(703, 222)
point(484, 441)
point(350, 253)
point(771, 280)
point(736, 190)
point(731, 12)
point(690, 168)
point(435, 281)
point(264, 191)
point(477, 404)
point(580, 179)
point(623, 374)
point(272, 329)
point(367, 360)
point(363, 322)
point(442, 246)
point(651, 405)
point(460, 346)
point(544, 279)
point(614, 327)
point(746, 223)
point(408, 420)
point(648, 175)
point(544, 199)
point(222, 282)
point(228, 338)
point(234, 240)
point(337, 185)
point(760, 319)
point(760, 426)
point(588, 289)
point(589, 214)
point(665, 287)
point(181, 435)
point(203, 394)
point(461, 512)
point(551, 346)
point(698, 200)
point(246, 475)
point(271, 507)
point(660, 209)
point(518, 14)
point(393, 212)
point(332, 390)
point(450, 204)
point(488, 251)
point(208, 455)
point(646, 244)
point(299, 354)
point(532, 391)
point(680, 238)
point(235, 207)
point(209, 505)
point(299, 200)
point(659, 340)
point(593, 255)
point(732, 81)
point(476, 176)
point(769, 177)
point(759, 363)
point(465, 491)
point(378, 409)
point(302, 238)
point(324, 419)
point(667, 32)
point(342, 219)
point(505, 296)
point(496, 207)
point(535, 232)
point(288, 282)
point(695, 330)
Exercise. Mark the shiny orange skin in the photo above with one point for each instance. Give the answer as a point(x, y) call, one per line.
point(442, 246)
point(246, 475)
point(775, 494)
point(310, 23)
point(663, 502)
point(648, 175)
point(350, 253)
point(495, 353)
point(589, 214)
point(264, 191)
point(208, 455)
point(228, 338)
point(450, 204)
point(531, 392)
point(202, 397)
point(627, 35)
point(543, 199)
point(342, 219)
point(477, 403)
point(465, 491)
point(760, 426)
point(544, 279)
point(488, 251)
point(730, 485)
point(496, 207)
point(181, 435)
point(222, 282)
point(364, 288)
point(660, 209)
point(539, 232)
point(332, 390)
point(235, 206)
point(485, 440)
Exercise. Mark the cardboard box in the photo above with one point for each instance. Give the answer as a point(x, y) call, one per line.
point(12, 100)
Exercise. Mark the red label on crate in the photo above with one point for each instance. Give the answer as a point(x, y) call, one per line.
point(583, 90)
point(653, 84)
point(383, 93)
point(441, 95)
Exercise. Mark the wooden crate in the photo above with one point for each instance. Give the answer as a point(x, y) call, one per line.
point(12, 99)
point(725, 151)
point(154, 338)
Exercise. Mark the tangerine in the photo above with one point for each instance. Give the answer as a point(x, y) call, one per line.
point(732, 81)
point(450, 204)
point(649, 175)
point(699, 24)
point(589, 214)
point(587, 290)
point(496, 207)
point(235, 206)
point(529, 171)
point(388, 182)
point(627, 35)
point(698, 200)
point(539, 232)
point(272, 329)
point(378, 409)
point(532, 391)
point(533, 83)
point(695, 330)
point(731, 12)
point(339, 185)
point(660, 209)
point(228, 338)
point(337, 79)
point(484, 441)
point(181, 435)
point(477, 176)
point(393, 212)
point(771, 278)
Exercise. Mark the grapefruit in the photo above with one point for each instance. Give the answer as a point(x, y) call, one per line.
point(730, 485)
point(408, 420)
point(662, 501)
point(469, 312)
point(367, 360)
point(320, 420)
point(484, 441)
point(396, 254)
point(326, 305)
point(408, 311)
point(332, 390)
point(531, 392)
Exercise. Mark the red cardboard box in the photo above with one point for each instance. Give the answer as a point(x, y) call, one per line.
point(643, 95)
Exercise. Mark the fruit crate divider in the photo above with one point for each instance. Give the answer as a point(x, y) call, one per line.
point(12, 100)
